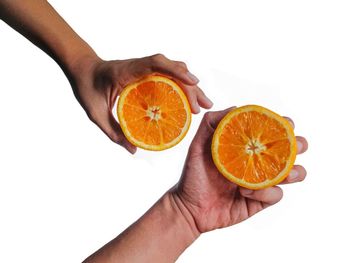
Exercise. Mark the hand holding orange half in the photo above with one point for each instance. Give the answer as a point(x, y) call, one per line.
point(154, 113)
point(98, 83)
point(254, 147)
point(215, 202)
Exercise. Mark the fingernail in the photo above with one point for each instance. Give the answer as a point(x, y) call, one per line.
point(192, 77)
point(293, 175)
point(299, 146)
point(246, 191)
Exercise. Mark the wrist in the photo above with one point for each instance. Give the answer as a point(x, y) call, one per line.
point(184, 219)
point(77, 65)
point(167, 230)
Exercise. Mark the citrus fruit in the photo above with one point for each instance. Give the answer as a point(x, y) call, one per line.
point(254, 147)
point(154, 113)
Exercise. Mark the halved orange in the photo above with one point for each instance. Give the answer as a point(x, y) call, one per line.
point(154, 113)
point(254, 147)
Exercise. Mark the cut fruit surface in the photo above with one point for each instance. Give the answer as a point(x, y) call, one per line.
point(254, 147)
point(154, 113)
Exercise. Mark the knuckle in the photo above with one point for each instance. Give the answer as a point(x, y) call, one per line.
point(263, 195)
point(208, 116)
point(180, 69)
point(207, 119)
point(270, 196)
point(93, 115)
point(182, 64)
point(157, 57)
point(115, 138)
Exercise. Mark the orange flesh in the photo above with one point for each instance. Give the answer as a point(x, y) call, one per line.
point(254, 147)
point(154, 113)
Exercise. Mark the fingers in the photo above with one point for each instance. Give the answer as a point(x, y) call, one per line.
point(196, 98)
point(302, 144)
point(192, 98)
point(290, 121)
point(214, 117)
point(211, 120)
point(267, 196)
point(174, 69)
point(111, 128)
point(178, 70)
point(141, 67)
point(203, 100)
point(297, 174)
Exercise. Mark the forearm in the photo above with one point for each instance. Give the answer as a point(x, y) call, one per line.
point(161, 235)
point(41, 24)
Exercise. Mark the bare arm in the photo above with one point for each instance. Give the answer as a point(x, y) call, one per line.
point(96, 83)
point(38, 21)
point(161, 235)
point(203, 200)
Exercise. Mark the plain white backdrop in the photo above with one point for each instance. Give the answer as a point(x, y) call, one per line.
point(65, 189)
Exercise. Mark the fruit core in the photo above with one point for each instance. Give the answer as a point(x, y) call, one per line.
point(254, 147)
point(153, 112)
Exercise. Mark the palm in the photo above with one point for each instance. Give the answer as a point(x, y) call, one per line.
point(213, 201)
point(97, 83)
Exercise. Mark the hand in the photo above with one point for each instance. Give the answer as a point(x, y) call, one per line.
point(212, 200)
point(97, 84)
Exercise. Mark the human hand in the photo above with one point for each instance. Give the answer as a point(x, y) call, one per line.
point(97, 83)
point(212, 200)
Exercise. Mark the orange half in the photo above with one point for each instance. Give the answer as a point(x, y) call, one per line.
point(154, 113)
point(254, 147)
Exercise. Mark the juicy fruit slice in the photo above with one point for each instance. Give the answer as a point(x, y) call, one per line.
point(154, 113)
point(254, 147)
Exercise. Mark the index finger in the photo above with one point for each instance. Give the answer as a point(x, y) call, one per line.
point(162, 64)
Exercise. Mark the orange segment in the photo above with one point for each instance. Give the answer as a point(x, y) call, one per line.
point(154, 113)
point(254, 147)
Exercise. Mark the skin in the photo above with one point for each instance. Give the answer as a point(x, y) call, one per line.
point(203, 200)
point(96, 83)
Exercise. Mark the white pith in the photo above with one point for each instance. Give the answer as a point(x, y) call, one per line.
point(153, 112)
point(254, 147)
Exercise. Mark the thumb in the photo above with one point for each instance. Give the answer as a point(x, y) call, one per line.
point(107, 123)
point(207, 127)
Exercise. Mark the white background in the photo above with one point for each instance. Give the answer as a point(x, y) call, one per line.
point(65, 189)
